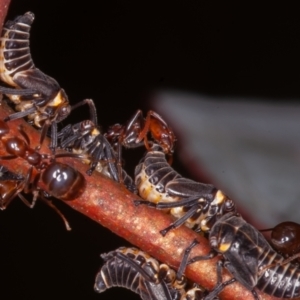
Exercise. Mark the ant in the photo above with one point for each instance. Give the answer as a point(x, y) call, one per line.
point(35, 94)
point(9, 183)
point(135, 134)
point(61, 180)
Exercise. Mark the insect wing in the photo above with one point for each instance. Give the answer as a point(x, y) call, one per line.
point(156, 291)
point(243, 252)
point(184, 187)
point(36, 79)
point(243, 261)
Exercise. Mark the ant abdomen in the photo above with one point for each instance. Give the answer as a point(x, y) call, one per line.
point(63, 181)
point(285, 238)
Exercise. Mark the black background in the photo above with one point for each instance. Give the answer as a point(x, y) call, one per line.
point(118, 54)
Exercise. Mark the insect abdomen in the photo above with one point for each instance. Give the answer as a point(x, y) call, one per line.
point(15, 50)
point(280, 280)
point(119, 272)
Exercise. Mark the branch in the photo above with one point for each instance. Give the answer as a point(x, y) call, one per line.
point(110, 204)
point(4, 4)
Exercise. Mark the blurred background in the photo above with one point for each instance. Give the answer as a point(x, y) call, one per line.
point(226, 78)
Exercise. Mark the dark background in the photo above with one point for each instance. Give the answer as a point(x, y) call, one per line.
point(118, 54)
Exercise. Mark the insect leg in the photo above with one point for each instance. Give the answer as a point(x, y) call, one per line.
point(184, 260)
point(220, 285)
point(20, 114)
point(18, 92)
point(191, 201)
point(181, 220)
point(49, 203)
point(92, 108)
point(211, 254)
point(136, 267)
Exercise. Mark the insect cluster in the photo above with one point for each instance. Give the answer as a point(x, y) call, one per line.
point(244, 252)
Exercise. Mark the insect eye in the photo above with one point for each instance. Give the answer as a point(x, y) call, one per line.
point(229, 205)
point(64, 112)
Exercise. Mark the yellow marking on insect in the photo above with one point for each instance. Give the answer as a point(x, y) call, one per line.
point(224, 247)
point(220, 197)
point(95, 132)
point(59, 99)
point(145, 190)
point(204, 227)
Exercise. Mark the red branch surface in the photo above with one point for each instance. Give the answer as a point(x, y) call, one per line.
point(110, 204)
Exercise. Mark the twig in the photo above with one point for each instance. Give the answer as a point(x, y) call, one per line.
point(111, 205)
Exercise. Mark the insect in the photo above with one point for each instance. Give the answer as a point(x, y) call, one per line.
point(5, 174)
point(285, 238)
point(35, 94)
point(195, 204)
point(85, 140)
point(136, 270)
point(250, 259)
point(61, 180)
point(135, 133)
point(9, 183)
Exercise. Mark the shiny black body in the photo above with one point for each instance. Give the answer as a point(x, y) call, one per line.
point(133, 269)
point(136, 270)
point(196, 204)
point(85, 140)
point(251, 260)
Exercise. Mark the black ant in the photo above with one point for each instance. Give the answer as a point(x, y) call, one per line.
point(135, 134)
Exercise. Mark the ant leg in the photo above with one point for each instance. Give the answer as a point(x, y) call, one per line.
point(6, 157)
point(49, 203)
point(9, 190)
point(137, 119)
point(119, 159)
point(24, 134)
point(28, 187)
point(44, 131)
point(26, 202)
point(144, 131)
